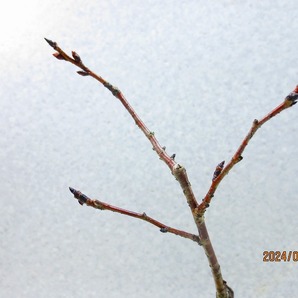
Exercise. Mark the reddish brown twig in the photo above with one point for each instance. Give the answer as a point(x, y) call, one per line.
point(198, 210)
point(288, 102)
point(83, 199)
point(177, 170)
point(61, 55)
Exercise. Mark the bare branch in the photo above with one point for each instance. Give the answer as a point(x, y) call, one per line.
point(177, 170)
point(288, 102)
point(83, 199)
point(117, 93)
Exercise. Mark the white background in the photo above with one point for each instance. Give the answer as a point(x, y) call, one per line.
point(197, 74)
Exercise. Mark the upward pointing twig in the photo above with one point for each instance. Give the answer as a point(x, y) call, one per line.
point(177, 170)
point(288, 102)
point(222, 289)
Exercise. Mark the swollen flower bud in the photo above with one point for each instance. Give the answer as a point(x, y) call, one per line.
point(83, 73)
point(76, 57)
point(292, 98)
point(58, 56)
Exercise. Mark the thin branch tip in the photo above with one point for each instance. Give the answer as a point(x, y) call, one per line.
point(164, 229)
point(72, 190)
point(53, 44)
point(58, 56)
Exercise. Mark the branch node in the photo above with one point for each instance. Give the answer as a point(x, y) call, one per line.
point(76, 57)
point(197, 239)
point(292, 98)
point(218, 170)
point(164, 229)
point(255, 122)
point(115, 91)
point(240, 158)
point(83, 73)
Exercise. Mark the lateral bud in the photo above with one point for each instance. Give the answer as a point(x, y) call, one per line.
point(164, 229)
point(173, 156)
point(82, 199)
point(115, 91)
point(76, 57)
point(58, 56)
point(218, 170)
point(83, 73)
point(292, 97)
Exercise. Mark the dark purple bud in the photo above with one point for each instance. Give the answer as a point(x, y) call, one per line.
point(72, 190)
point(218, 170)
point(76, 57)
point(293, 96)
point(164, 230)
point(83, 73)
point(58, 56)
point(51, 43)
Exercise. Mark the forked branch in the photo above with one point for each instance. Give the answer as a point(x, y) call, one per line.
point(221, 171)
point(179, 172)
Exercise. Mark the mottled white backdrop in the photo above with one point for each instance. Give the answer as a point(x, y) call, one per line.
point(197, 73)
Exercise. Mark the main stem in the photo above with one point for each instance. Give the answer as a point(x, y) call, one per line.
point(198, 210)
point(222, 291)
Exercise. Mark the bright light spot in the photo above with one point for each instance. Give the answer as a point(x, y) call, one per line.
point(16, 17)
